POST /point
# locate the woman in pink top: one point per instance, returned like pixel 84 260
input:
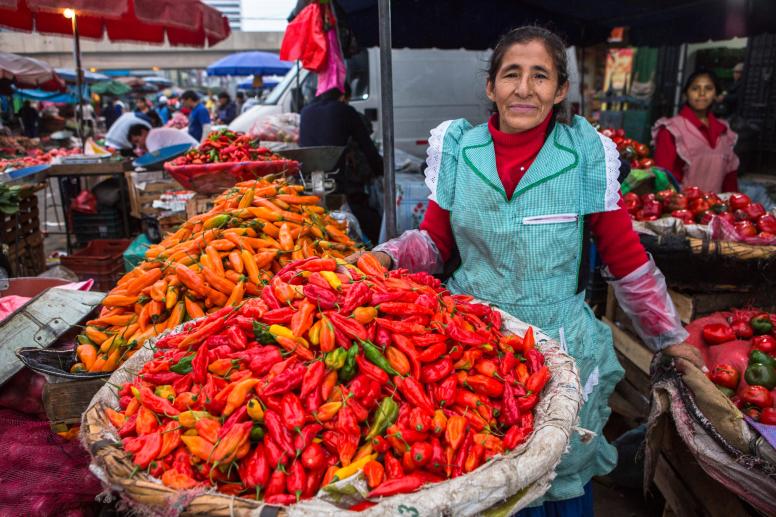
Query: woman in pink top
pixel 694 145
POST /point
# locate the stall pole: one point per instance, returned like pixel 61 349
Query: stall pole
pixel 386 97
pixel 69 13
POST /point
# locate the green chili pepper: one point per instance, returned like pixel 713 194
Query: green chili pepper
pixel 262 334
pixel 336 358
pixel 373 354
pixel 385 416
pixel 348 371
pixel 257 433
pixel 183 366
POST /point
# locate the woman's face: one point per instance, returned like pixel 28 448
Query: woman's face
pixel 701 93
pixel 526 87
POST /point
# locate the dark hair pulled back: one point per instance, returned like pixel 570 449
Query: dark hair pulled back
pixel 555 46
pixel 698 73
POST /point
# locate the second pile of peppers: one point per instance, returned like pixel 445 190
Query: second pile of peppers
pixel 333 370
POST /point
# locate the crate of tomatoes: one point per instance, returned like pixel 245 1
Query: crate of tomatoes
pixel 342 387
pixel 226 157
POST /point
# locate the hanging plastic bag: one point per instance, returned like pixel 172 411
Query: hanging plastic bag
pixel 333 75
pixel 84 203
pixel 305 40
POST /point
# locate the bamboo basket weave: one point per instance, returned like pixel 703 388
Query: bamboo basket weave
pixel 502 486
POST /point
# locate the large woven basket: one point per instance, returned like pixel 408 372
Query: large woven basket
pixel 503 485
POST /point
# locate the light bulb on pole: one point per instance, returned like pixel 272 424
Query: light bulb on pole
pixel 68 13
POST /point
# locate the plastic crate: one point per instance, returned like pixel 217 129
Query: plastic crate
pixel 101 261
pixel 105 224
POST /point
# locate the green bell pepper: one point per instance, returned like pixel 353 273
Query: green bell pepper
pixel 760 357
pixel 761 324
pixel 759 374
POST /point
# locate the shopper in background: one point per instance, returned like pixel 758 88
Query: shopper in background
pixel 163 109
pixel 118 134
pixel 30 119
pixel 517 199
pixel 728 100
pixel 330 120
pixel 227 110
pixel 112 112
pixel 239 100
pixel 147 139
pixel 696 146
pixel 199 117
pixel 145 110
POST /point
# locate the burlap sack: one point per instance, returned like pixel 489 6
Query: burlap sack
pixel 503 485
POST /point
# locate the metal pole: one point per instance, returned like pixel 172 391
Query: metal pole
pixel 78 78
pixel 386 97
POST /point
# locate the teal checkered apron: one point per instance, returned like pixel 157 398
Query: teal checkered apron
pixel 523 254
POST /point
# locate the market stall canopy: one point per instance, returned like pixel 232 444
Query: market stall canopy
pixel 249 63
pixel 160 82
pixel 25 72
pixel 111 88
pixel 68 74
pixel 473 25
pixel 183 22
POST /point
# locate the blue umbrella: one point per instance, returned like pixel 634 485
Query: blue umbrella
pixel 68 74
pixel 249 63
pixel 267 82
pixel 40 95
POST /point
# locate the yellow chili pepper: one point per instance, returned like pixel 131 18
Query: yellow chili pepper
pixel 280 330
pixel 189 418
pixel 255 411
pixel 165 391
pixel 332 278
pixel 346 472
pixel 314 334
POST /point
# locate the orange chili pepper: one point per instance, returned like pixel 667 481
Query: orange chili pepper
pixel 214 260
pixel 235 261
pixel 87 354
pixel 398 360
pixel 192 308
pixel 250 266
pixel 285 238
pixel 237 294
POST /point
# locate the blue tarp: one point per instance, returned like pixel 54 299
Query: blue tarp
pixel 40 95
pixel 68 74
pixel 248 84
pixel 249 63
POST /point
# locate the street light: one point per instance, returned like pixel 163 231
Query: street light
pixel 70 14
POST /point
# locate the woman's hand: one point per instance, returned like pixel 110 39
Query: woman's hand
pixel 383 258
pixel 688 352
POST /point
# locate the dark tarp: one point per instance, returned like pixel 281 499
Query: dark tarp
pixel 478 25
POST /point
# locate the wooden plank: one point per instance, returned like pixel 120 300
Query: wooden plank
pixel 674 491
pixel 64 402
pixel 88 169
pixel 628 346
pixel 683 304
pixel 621 406
pixel 611 304
pixel 639 401
pixel 635 376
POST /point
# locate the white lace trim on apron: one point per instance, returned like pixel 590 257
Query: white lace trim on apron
pixel 434 157
pixel 612 157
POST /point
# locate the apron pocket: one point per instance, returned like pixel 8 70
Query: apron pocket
pixel 551 218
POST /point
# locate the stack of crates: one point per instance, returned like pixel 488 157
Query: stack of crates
pixel 101 260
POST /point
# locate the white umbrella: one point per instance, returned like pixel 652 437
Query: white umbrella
pixel 26 72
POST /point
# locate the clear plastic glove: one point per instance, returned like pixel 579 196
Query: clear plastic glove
pixel 643 296
pixel 413 250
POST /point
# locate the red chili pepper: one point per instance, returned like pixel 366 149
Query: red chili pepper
pixel 155 403
pixel 280 316
pixel 312 378
pixel 511 412
pixel 401 327
pixel 404 309
pixel 433 352
pixel 305 437
pixel 537 380
pixel 404 485
pixel 292 412
pixel 199 365
pixel 160 378
pixel 269 298
pixel 278 432
pixel 254 469
pixel 346 422
pixel 414 393
pixel 372 371
pixel 297 479
pixel 487 386
pixel 534 360
pixel 236 337
pixel 289 379
pixel 262 362
pixel 457 333
pixel 313 457
pixel 444 393
pixel 436 371
pixel 150 445
pixel 322 297
pixel 420 421
pixel 357 295
pixel 393 468
pixel 405 344
pixel 421 452
pixel 319 264
pixel 461 453
pixel 437 461
pixel 277 484
pixel 349 327
pixel 276 456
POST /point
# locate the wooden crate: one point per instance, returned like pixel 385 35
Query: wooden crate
pixel 199 204
pixel 64 402
pixel 20 236
pixel 145 188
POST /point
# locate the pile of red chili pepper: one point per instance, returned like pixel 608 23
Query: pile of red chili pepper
pixel 227 146
pixel 335 369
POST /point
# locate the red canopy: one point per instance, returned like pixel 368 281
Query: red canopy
pixel 186 22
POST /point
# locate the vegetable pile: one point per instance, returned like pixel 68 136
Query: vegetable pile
pixel 750 382
pixel 632 151
pixel 214 260
pixel 694 206
pixel 227 146
pixel 336 369
pixel 34 157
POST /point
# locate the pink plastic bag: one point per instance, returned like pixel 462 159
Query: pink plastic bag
pixel 333 75
pixel 725 231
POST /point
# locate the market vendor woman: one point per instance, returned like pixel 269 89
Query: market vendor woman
pixel 517 198
pixel 696 146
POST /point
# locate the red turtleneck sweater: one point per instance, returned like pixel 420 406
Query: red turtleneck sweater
pixel 617 243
